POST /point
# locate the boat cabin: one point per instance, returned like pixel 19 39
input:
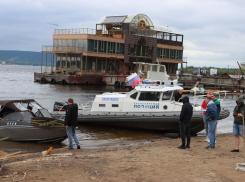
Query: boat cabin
pixel 144 98
pixel 18 110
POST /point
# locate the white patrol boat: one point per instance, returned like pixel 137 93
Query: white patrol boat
pixel 147 106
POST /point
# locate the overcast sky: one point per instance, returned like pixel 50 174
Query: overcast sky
pixel 214 30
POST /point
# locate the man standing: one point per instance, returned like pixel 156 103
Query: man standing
pixel 185 122
pixel 178 96
pixel 238 123
pixel 211 118
pixel 71 123
pixel 217 103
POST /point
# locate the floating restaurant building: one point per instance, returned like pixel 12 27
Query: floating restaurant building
pixel 105 55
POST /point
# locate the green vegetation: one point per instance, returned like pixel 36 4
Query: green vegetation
pixel 23 58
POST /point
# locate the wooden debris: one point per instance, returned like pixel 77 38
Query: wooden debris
pixel 2 139
pixel 46 153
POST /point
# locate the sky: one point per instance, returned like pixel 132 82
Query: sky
pixel 214 30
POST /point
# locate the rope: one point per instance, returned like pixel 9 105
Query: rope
pixel 19 179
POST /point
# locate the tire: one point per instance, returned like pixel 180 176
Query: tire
pixel 117 84
pixel 172 135
pixel 123 85
pixel 43 80
pixel 53 81
pixel 103 83
pixel 64 82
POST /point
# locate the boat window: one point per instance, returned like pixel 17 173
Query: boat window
pixel 149 96
pixel 167 95
pixel 20 106
pixel 134 96
pixel 154 68
pixel 114 105
pixel 101 105
pixel 162 68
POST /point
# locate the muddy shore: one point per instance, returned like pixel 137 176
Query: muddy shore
pixel 158 160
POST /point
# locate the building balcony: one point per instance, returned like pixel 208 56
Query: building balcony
pixel 62 49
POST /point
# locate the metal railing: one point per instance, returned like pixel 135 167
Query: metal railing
pixel 74 31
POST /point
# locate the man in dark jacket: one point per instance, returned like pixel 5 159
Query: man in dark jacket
pixel 178 96
pixel 238 122
pixel 211 118
pixel 71 123
pixel 185 122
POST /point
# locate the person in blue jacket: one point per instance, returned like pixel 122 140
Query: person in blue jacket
pixel 211 118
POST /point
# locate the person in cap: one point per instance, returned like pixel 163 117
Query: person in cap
pixel 211 118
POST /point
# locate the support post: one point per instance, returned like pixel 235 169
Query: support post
pixel 52 63
pixel 41 62
pixel 86 63
pixel 46 62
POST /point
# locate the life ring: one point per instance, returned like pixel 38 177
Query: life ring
pixel 53 81
pixel 64 82
pixel 86 83
pixel 43 80
pixel 117 84
pixel 123 84
pixel 103 83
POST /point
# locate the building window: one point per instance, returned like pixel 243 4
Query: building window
pixel 114 105
pixel 101 105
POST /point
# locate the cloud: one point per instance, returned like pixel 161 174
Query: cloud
pixel 213 29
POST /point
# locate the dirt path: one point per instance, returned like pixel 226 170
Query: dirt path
pixel 159 160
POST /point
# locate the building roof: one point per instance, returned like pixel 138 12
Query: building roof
pixel 114 19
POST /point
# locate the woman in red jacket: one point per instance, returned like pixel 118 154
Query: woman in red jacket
pixel 204 108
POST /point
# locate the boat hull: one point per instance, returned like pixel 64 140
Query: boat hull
pixel 32 134
pixel 162 121
pixel 39 129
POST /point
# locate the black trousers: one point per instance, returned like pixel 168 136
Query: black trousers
pixel 185 131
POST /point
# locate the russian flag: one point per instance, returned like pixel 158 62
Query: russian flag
pixel 134 79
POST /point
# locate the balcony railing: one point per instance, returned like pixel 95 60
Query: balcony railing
pixel 65 49
pixel 74 31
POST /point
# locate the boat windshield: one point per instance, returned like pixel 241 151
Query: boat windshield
pixel 20 106
pixel 43 113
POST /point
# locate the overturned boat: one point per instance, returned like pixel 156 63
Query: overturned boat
pixel 149 107
pixel 17 124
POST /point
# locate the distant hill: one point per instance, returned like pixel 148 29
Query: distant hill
pixel 22 57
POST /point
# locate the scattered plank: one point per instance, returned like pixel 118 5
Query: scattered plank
pixel 2 139
pixel 46 153
pixel 18 155
pixel 3 153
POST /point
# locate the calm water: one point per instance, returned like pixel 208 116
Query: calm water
pixel 17 82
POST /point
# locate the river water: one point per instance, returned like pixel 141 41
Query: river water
pixel 17 82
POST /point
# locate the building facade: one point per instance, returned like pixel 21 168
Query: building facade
pixel 113 47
